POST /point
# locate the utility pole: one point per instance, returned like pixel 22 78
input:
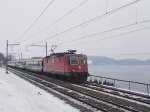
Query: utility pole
pixel 7 45
pixel 21 55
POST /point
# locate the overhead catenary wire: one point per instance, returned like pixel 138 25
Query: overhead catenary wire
pixel 127 33
pixel 90 20
pixel 67 13
pixel 136 12
pixel 107 31
pixel 116 35
pixel 35 20
pixel 106 3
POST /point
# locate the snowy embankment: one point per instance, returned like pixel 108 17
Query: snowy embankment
pixel 18 95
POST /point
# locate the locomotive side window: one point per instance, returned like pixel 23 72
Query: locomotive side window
pixel 68 59
pixel 53 60
pixel 73 59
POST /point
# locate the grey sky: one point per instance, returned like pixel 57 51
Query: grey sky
pixel 17 15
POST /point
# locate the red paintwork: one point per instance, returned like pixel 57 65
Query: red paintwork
pixel 61 66
pixel 53 67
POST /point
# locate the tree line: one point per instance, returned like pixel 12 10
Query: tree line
pixel 3 58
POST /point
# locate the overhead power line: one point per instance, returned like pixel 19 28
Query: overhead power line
pixel 36 19
pixel 115 36
pixel 107 31
pixel 68 13
pixel 126 33
pixel 91 20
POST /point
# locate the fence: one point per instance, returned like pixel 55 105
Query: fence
pixel 131 85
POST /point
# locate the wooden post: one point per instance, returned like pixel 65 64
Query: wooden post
pixel 129 85
pixel 147 89
pixel 114 83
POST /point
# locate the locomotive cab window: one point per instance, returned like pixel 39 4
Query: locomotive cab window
pixel 83 59
pixel 73 59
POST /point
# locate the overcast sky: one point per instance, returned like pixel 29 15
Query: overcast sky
pixel 17 15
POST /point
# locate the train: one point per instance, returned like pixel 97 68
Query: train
pixel 69 65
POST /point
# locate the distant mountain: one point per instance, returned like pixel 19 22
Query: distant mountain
pixel 102 60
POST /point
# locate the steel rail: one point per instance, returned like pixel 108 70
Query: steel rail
pixel 97 105
pixel 127 105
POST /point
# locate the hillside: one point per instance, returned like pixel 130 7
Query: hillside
pixel 102 60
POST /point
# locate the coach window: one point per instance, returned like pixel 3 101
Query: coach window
pixel 73 59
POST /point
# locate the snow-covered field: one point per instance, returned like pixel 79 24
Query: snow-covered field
pixel 18 95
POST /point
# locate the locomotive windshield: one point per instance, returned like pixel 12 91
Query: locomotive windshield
pixel 73 59
pixel 83 59
pixel 77 59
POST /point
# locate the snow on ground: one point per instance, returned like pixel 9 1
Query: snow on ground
pixel 18 95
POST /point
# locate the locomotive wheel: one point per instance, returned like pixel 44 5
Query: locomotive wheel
pixel 77 78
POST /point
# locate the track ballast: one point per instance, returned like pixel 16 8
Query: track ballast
pixel 90 100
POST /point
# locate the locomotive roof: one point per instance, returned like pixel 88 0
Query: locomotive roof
pixel 62 54
pixel 58 54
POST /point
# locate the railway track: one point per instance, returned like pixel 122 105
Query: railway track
pixel 118 90
pixel 140 98
pixel 88 96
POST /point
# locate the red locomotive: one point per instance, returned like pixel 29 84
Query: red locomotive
pixel 68 64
